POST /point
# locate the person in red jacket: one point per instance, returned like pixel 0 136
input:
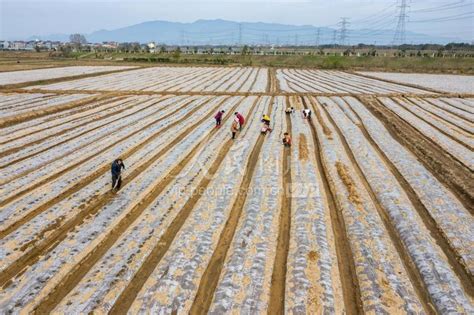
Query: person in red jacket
pixel 241 119
pixel 218 118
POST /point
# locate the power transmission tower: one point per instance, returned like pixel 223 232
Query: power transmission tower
pixel 334 36
pixel 318 33
pixel 296 39
pixel 343 30
pixel 400 32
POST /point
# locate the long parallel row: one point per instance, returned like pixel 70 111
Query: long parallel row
pixel 144 235
pixel 81 241
pixel 37 203
pixel 346 220
pixel 385 286
pixel 43 103
pixel 174 282
pixel 173 79
pixel 53 73
pixel 459 151
pixel 409 226
pixel 313 279
pixel 334 82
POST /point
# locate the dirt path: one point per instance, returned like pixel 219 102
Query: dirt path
pixel 278 284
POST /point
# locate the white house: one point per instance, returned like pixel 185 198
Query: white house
pixel 151 47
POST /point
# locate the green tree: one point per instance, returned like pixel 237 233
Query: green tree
pixel 177 53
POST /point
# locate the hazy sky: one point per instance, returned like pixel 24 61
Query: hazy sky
pixel 21 19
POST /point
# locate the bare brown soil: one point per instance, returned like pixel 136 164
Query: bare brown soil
pixel 303 148
pixel 278 283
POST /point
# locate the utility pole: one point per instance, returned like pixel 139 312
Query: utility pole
pixel 343 30
pixel 400 32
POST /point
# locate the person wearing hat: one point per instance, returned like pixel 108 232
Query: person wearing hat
pixel 266 120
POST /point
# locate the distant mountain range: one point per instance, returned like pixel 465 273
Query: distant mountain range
pixel 222 32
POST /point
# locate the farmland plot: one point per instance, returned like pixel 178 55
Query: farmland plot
pixel 336 82
pixel 440 82
pixel 369 210
pixel 53 73
pixel 173 79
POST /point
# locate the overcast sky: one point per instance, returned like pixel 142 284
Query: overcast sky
pixel 22 19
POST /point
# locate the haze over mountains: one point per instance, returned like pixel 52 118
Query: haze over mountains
pixel 222 32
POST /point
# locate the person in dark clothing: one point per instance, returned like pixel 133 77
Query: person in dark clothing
pixel 117 167
pixel 287 139
pixel 218 118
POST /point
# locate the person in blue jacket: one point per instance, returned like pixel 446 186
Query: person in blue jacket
pixel 117 167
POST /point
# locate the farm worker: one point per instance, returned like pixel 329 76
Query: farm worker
pixel 307 113
pixel 286 140
pixel 234 128
pixel 117 167
pixel 218 118
pixel 290 110
pixel 241 119
pixel 266 120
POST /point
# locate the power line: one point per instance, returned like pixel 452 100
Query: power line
pixel 446 18
pixel 445 7
pixel 375 15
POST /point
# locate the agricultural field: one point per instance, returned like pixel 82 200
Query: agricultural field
pixel 174 79
pixel 441 82
pixel 53 73
pixel 337 82
pixel 369 211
